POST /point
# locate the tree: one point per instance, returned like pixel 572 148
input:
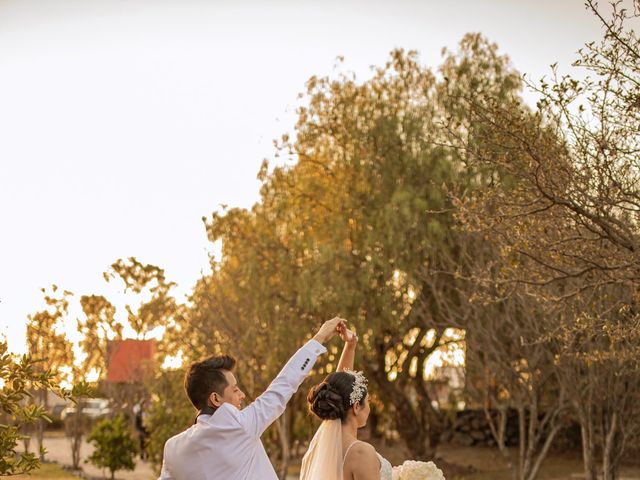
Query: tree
pixel 98 326
pixel 508 367
pixel 598 361
pixel 114 445
pixel 347 225
pixel 147 279
pixel 150 305
pixel 253 291
pixel 563 208
pixel 150 308
pixel 49 346
pixel 520 375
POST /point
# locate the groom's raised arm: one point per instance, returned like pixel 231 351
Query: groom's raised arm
pixel 272 403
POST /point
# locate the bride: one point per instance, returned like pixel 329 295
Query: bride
pixel 341 402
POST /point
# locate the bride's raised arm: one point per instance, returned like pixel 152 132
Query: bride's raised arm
pixel 349 351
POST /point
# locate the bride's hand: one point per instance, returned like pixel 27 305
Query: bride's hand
pixel 348 336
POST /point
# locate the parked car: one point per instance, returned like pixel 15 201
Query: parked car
pixel 92 408
pixel 56 411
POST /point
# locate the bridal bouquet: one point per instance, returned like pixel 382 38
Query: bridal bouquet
pixel 412 470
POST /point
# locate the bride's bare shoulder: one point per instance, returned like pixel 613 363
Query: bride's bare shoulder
pixel 363 448
pixel 362 461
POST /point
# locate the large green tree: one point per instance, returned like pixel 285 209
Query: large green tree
pixel 354 213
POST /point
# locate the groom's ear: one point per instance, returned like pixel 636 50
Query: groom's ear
pixel 215 399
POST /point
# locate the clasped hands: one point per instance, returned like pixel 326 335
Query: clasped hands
pixel 336 326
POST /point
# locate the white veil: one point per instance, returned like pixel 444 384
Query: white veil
pixel 323 460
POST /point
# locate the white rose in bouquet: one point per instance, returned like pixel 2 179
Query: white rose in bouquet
pixel 413 470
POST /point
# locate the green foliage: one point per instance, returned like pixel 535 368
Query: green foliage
pixel 43 337
pixel 347 224
pixel 18 377
pixel 98 325
pixel 45 341
pixel 170 412
pixel 138 279
pixel 114 445
pixel 144 285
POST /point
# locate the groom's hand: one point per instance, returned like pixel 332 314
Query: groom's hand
pixel 329 329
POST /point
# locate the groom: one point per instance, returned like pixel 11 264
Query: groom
pixel 224 442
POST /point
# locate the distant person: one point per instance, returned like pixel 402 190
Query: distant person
pixel 140 413
pixel 224 442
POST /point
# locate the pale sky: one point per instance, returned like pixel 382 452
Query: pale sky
pixel 122 123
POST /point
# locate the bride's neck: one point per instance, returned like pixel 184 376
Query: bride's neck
pixel 350 428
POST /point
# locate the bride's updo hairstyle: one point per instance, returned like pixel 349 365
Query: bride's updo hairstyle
pixel 331 399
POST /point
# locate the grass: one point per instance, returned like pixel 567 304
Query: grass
pixel 47 471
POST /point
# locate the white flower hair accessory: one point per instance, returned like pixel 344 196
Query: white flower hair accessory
pixel 359 387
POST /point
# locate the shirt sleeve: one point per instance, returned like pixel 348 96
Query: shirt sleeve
pixel 271 404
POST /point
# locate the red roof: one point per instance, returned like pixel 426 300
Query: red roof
pixel 129 360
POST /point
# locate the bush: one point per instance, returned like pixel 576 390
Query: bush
pixel 18 411
pixel 114 444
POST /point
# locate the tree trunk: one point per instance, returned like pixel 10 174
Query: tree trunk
pixel 420 430
pixel 609 431
pixel 76 444
pixel 409 428
pixel 588 447
pixel 40 438
pixel 531 432
pixel 522 427
pixel 498 430
pixel 543 454
pixel 433 422
pixel 76 431
pixel 40 425
pixel 373 424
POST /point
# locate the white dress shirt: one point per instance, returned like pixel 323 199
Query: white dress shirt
pixel 226 445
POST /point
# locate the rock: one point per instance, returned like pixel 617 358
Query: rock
pixel 462 440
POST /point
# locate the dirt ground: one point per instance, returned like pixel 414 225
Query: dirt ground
pixel 59 451
pixel 457 463
pixel 484 463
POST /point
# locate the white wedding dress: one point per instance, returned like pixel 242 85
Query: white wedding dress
pixel 324 459
pixel 386 470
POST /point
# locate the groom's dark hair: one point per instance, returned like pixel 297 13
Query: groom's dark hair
pixel 205 377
